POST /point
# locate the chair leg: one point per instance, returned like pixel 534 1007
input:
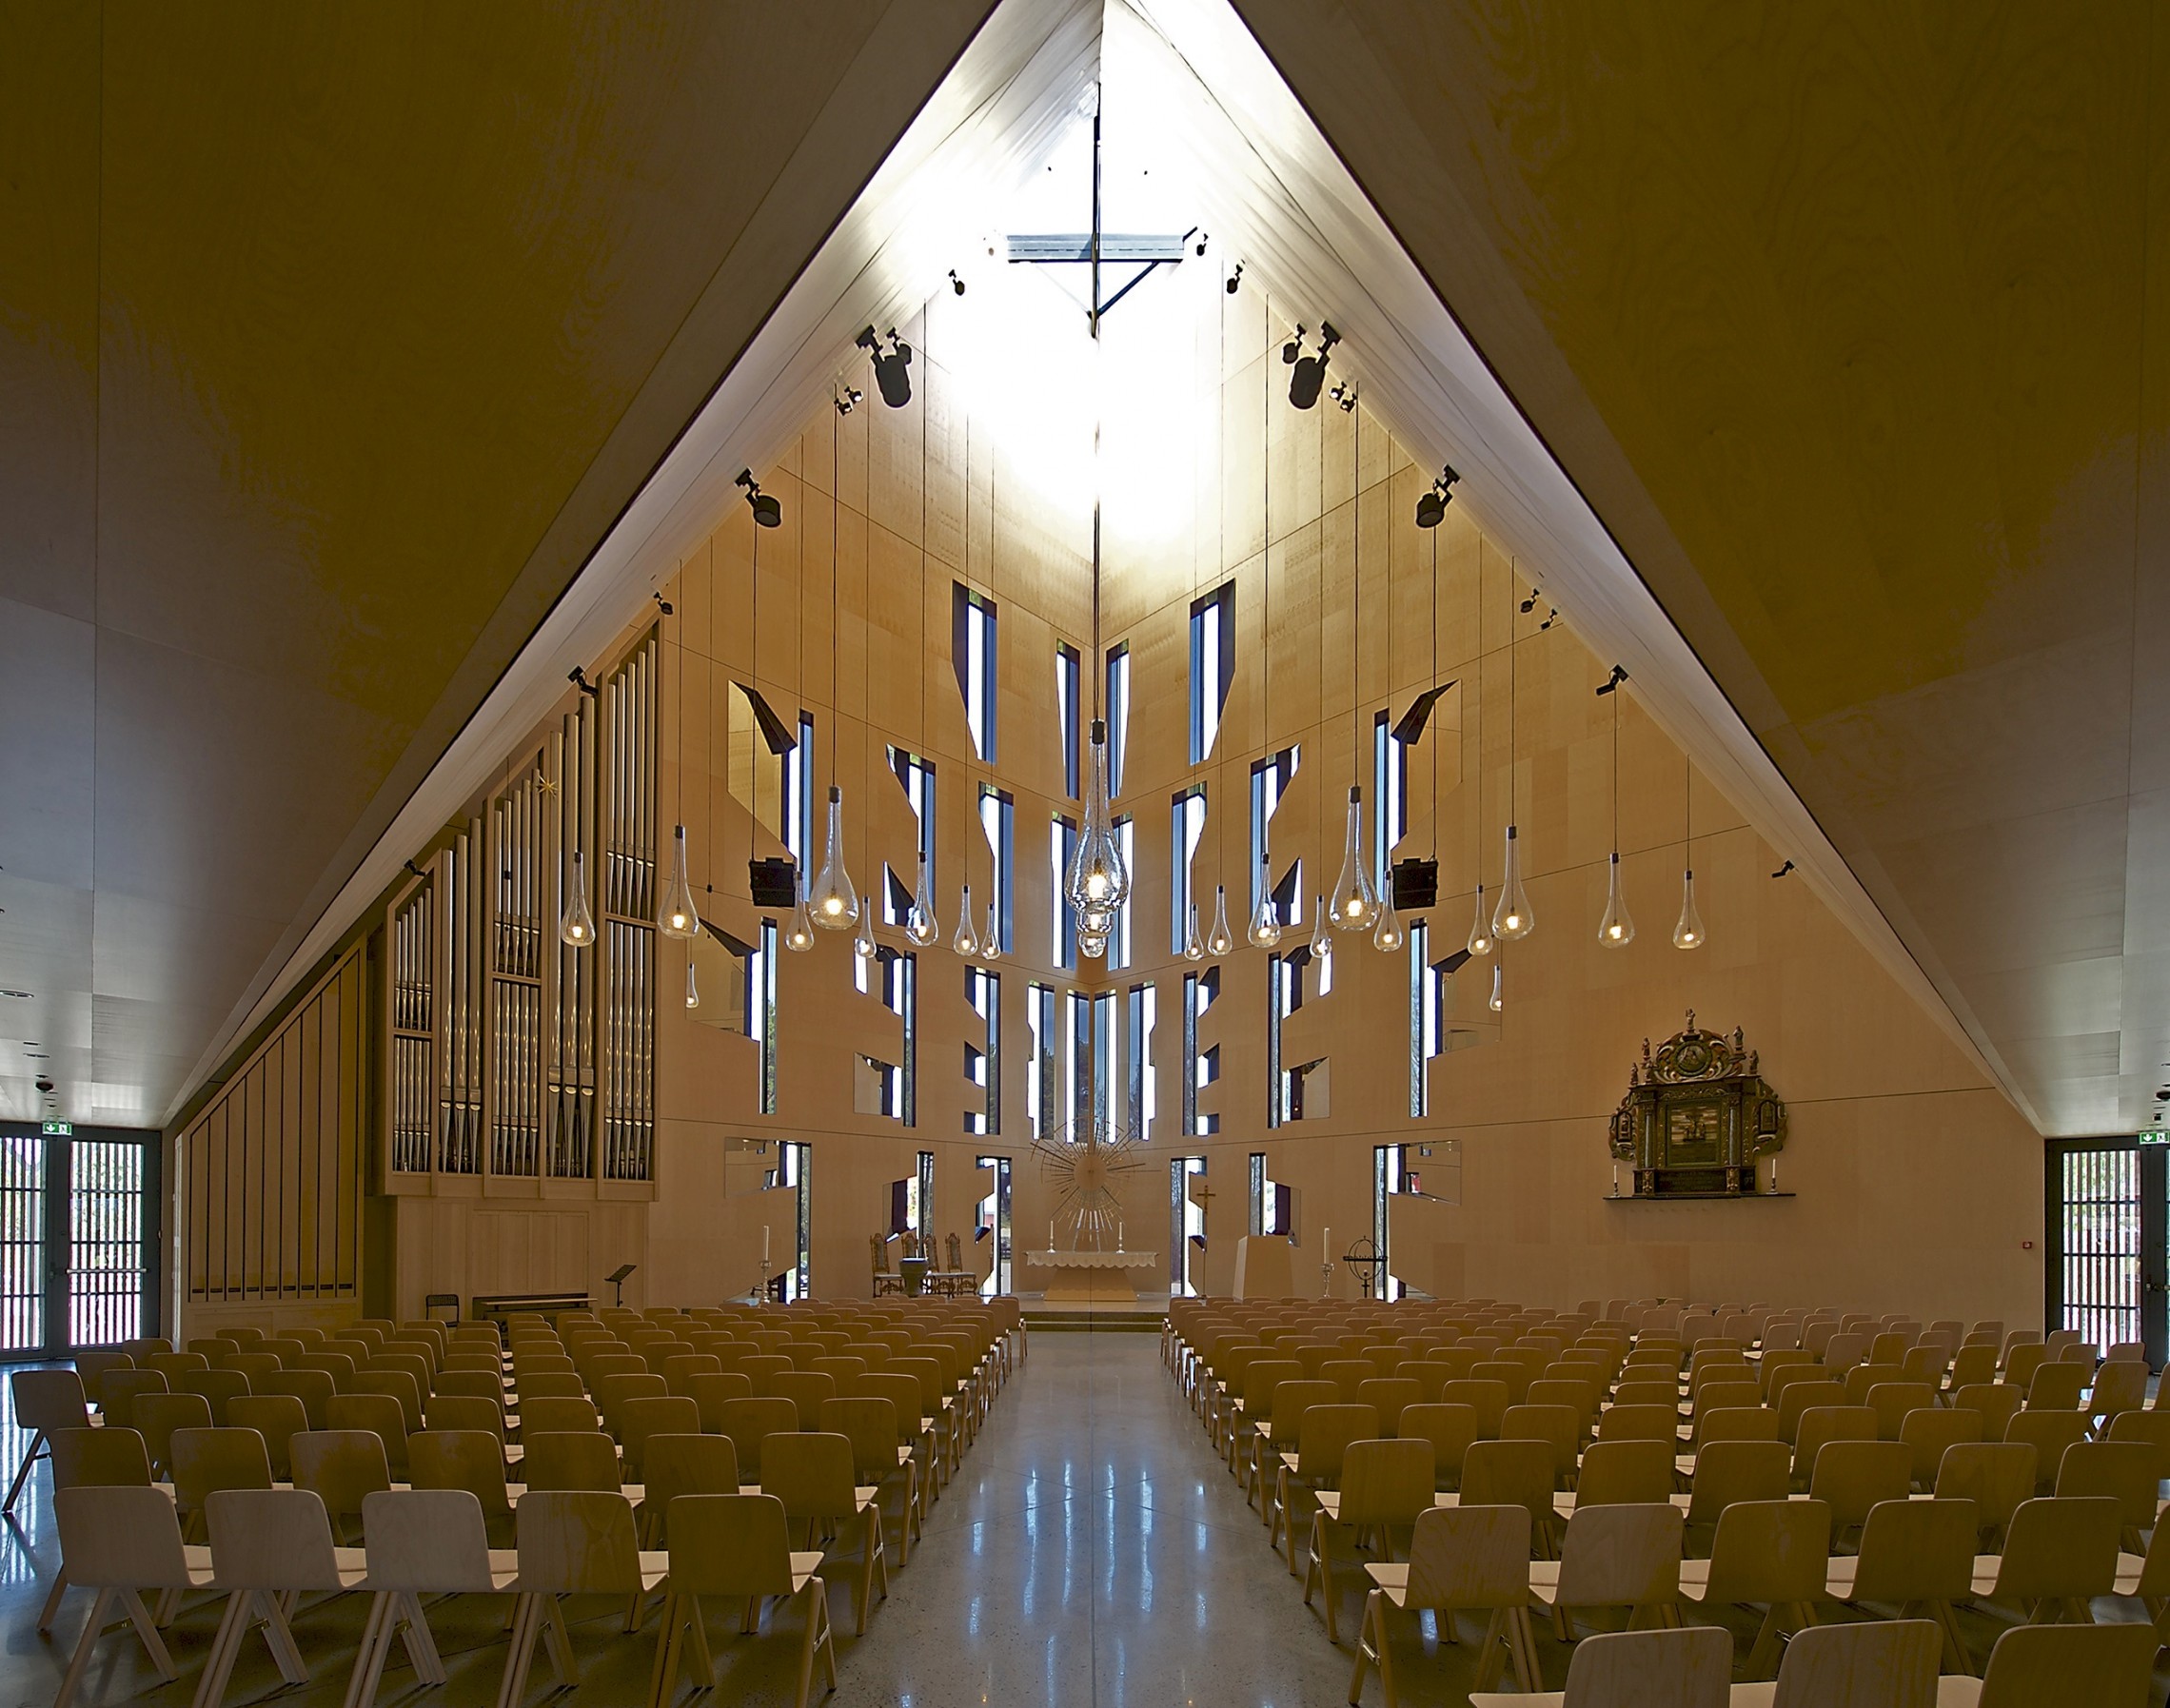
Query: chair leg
pixel 662 1678
pixel 278 1639
pixel 155 1645
pixel 369 1658
pixel 1522 1638
pixel 513 1685
pixel 50 1611
pixel 23 1471
pixel 420 1640
pixel 218 1664
pixel 877 1563
pixel 88 1642
pixel 1498 1632
pixel 558 1640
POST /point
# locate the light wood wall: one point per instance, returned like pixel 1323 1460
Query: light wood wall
pixel 272 1171
pixel 1919 1186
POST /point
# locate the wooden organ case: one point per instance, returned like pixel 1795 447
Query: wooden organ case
pixel 1697 1117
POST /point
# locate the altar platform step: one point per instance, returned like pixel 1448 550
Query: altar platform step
pixel 1143 1315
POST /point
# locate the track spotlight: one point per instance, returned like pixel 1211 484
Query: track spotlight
pixel 1345 394
pixel 1612 683
pixel 888 366
pixel 1202 236
pixel 848 399
pixel 578 676
pixel 1432 504
pixel 767 512
pixel 1309 376
pixel 1235 279
pixel 1783 870
pixel 1551 616
pixel 955 283
pixel 1530 604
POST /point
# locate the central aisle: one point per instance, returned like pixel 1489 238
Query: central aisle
pixel 1094 1552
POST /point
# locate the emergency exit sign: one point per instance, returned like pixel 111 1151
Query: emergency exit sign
pixel 2159 1135
pixel 60 1130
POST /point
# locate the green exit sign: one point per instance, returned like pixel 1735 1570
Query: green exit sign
pixel 60 1130
pixel 2158 1136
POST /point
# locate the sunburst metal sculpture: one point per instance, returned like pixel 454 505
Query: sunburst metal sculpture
pixel 1084 1163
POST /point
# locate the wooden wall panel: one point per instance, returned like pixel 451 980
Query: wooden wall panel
pixel 271 1169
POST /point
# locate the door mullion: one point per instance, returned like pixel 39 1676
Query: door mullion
pixel 2154 1266
pixel 59 1173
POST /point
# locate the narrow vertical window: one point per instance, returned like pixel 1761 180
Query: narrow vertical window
pixel 1269 779
pixel 1043 1078
pixel 1187 821
pixel 799 792
pixel 974 653
pixel 1118 713
pixel 1063 849
pixel 916 777
pixel 1119 939
pixel 1067 680
pixel 1140 1087
pixel 999 818
pixel 1422 1011
pixel 761 1008
pixel 983 1060
pixel 1212 666
pixel 1390 795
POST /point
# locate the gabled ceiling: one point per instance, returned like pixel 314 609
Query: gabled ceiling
pixel 332 342
pixel 1848 323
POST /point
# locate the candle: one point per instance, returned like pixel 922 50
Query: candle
pixel 1325 1244
pixel 1118 1236
pixel 764 1246
pixel 1051 1233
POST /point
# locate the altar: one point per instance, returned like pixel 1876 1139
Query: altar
pixel 1092 1277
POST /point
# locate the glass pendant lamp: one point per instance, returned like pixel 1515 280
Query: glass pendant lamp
pixel 1390 935
pixel 576 924
pixel 798 935
pixel 1495 1004
pixel 966 943
pixel 1355 903
pixel 1688 933
pixel 991 940
pixel 1480 929
pixel 1218 940
pixel 833 902
pixel 1194 945
pixel 692 988
pixel 921 925
pixel 678 917
pixel 1322 939
pixel 1616 930
pixel 1097 880
pixel 862 937
pixel 1264 922
pixel 1091 945
pixel 1511 918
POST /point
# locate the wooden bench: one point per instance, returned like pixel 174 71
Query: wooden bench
pixel 497 1306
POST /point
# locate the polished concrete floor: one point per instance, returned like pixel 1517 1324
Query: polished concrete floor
pixel 1092 1552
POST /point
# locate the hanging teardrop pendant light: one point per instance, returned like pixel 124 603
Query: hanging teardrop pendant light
pixel 1616 930
pixel 862 937
pixel 1390 935
pixel 1480 929
pixel 798 935
pixel 678 917
pixel 991 940
pixel 1097 882
pixel 1322 939
pixel 834 903
pixel 1265 920
pixel 1511 918
pixel 1091 945
pixel 1687 931
pixel 1355 902
pixel 921 925
pixel 966 942
pixel 1194 945
pixel 692 988
pixel 1495 1004
pixel 576 924
pixel 1220 941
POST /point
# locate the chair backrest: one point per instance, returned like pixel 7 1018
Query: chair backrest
pixel 107 1458
pixel 577 1542
pixel 1386 1482
pixel 749 1422
pixel 1892 1400
pixel 117 1536
pixel 1470 1557
pixel 49 1399
pixel 869 1423
pixel 1726 1472
pixel 554 1414
pixel 91 1367
pixel 1854 1476
pixel 730 1544
pixel 1933 1430
pixel 2063 1547
pixel 159 1415
pixel 341 1466
pixel 277 1418
pixel 678 1465
pixel 1917 1551
pixel 1449 1428
pixel 1323 1437
pixel 382 1415
pixel 564 1461
pixel 2150 1427
pixel 1690 1668
pixel 1821 1425
pixel 1622 1555
pixel 1998 1402
pixel 2056 1386
pixel 811 1472
pixel 470 1459
pixel 1617 1473
pixel 208 1460
pixel 2120 1385
pixel 1504 1473
pixel 1876 1664
pixel 1388 1396
pixel 1638 1422
pixel 2126 1471
pixel 432 1540
pixel 271 1539
pixel 1996 1476
pixel 1558 1426
pixel 2070 1667
pixel 122 1390
pixel 2053 1434
pixel 1487 1398
pixel 1770 1550
pixel 656 1414
pixel 806 1389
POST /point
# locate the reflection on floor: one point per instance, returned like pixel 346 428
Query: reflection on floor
pixel 1092 1552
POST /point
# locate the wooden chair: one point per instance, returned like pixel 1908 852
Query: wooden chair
pixel 1770 1553
pixel 45 1401
pixel 737 1546
pixel 119 1542
pixel 570 1543
pixel 811 1473
pixel 2061 1666
pixel 268 1544
pixel 1624 1555
pixel 1914 1553
pixel 1889 1664
pixel 342 1468
pixel 421 1541
pixel 1461 1559
pixel 1384 1485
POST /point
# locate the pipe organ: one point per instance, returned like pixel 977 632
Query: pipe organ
pixel 514 1056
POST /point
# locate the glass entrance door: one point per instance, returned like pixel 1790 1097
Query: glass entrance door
pixel 78 1238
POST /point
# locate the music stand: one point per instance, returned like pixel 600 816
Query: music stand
pixel 616 1279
